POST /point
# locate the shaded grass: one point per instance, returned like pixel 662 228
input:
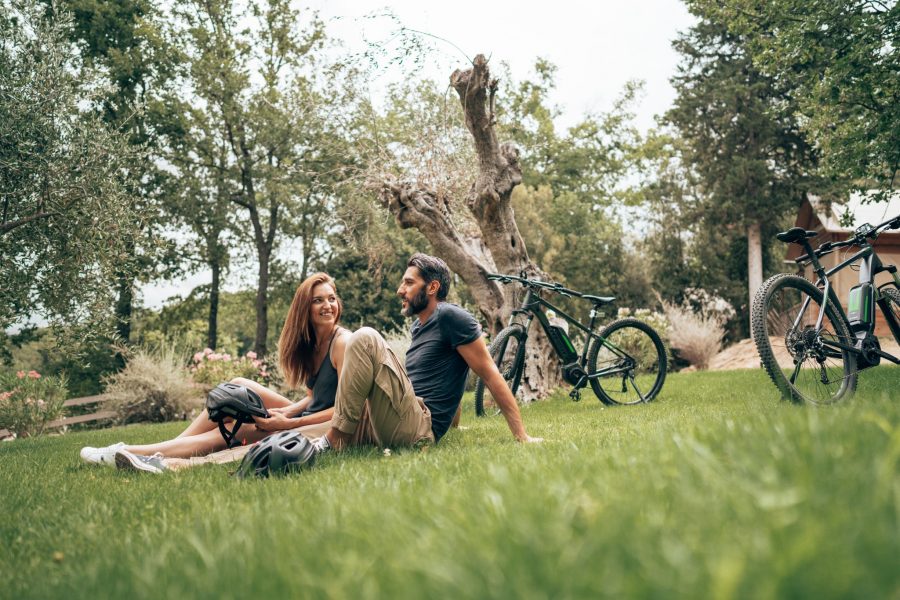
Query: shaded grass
pixel 716 490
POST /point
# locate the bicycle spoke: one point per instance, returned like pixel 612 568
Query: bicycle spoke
pixel 636 389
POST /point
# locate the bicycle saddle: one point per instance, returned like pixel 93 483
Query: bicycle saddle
pixel 795 234
pixel 599 299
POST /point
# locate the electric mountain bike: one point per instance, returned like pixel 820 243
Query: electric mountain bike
pixel 625 363
pixel 811 348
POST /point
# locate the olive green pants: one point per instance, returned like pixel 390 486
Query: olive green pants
pixel 375 393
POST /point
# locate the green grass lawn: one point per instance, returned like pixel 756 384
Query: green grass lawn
pixel 716 490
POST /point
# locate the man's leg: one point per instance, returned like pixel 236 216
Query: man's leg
pixel 373 376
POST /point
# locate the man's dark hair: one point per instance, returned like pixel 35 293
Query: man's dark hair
pixel 431 268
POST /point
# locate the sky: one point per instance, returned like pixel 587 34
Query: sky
pixel 596 46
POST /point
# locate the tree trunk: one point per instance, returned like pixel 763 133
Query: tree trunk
pixel 212 331
pixel 262 303
pixel 124 303
pixel 500 247
pixel 754 259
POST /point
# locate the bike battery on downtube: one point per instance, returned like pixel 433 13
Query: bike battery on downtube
pixel 560 340
pixel 860 305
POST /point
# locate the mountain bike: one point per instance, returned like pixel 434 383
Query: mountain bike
pixel 811 348
pixel 625 362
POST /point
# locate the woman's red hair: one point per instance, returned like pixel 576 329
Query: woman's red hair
pixel 297 344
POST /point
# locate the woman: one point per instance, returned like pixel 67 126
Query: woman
pixel 310 350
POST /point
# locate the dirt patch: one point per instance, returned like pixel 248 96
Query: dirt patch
pixel 743 355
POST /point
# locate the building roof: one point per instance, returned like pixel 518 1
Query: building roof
pixel 871 212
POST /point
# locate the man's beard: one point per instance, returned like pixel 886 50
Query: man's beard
pixel 416 304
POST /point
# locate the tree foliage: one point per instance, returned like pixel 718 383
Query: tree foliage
pixel 66 217
pixel 841 59
pixel 742 141
pixel 256 128
pixel 127 42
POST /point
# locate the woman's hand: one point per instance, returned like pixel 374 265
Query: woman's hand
pixel 276 422
pixel 291 410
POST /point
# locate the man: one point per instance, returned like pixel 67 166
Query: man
pixel 381 402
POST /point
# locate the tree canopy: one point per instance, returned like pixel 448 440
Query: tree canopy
pixel 841 61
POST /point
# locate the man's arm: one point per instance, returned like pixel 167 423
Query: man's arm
pixel 476 356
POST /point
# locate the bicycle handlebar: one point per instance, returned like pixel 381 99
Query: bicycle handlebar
pixel 535 283
pixel 857 239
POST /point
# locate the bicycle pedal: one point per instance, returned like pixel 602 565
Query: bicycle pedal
pixel 575 395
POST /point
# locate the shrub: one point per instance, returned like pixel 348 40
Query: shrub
pixel 152 387
pixel 654 319
pixel 399 341
pixel 212 368
pixel 697 334
pixel 29 401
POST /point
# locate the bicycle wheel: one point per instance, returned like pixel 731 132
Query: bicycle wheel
pixel 804 363
pixel 631 362
pixel 508 352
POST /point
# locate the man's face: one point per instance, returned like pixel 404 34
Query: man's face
pixel 413 293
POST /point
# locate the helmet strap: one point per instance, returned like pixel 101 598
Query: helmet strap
pixel 229 436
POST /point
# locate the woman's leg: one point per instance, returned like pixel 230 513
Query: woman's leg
pixel 198 445
pixel 220 457
pixel 270 399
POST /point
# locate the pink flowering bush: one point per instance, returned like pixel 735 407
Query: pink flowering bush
pixel 28 401
pixel 212 368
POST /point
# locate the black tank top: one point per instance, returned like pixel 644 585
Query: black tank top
pixel 324 383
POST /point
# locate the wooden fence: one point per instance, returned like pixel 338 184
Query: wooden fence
pixel 97 415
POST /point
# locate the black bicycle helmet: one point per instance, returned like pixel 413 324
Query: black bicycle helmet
pixel 279 454
pixel 232 401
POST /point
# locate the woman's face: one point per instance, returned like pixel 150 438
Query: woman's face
pixel 324 307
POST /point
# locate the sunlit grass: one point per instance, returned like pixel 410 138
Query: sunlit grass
pixel 717 490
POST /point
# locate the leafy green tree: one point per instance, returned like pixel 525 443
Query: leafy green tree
pixel 126 41
pixel 66 217
pixel 571 202
pixel 200 205
pixel 252 77
pixel 742 137
pixel 588 159
pixel 841 59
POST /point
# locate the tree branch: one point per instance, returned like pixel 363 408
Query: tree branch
pixel 7 227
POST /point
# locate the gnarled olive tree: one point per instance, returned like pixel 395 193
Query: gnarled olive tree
pixel 494 244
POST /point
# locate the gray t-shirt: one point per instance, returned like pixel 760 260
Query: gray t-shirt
pixel 436 370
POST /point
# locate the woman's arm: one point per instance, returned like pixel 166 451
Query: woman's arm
pixel 337 351
pixel 297 408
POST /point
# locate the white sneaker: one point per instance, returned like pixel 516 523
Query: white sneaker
pixel 101 456
pixel 321 445
pixel 136 462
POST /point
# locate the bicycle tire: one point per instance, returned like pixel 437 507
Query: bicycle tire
pixel 510 340
pixel 641 344
pixel 893 301
pixel 781 330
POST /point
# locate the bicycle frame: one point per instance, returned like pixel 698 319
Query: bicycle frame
pixel 532 306
pixel 870 265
